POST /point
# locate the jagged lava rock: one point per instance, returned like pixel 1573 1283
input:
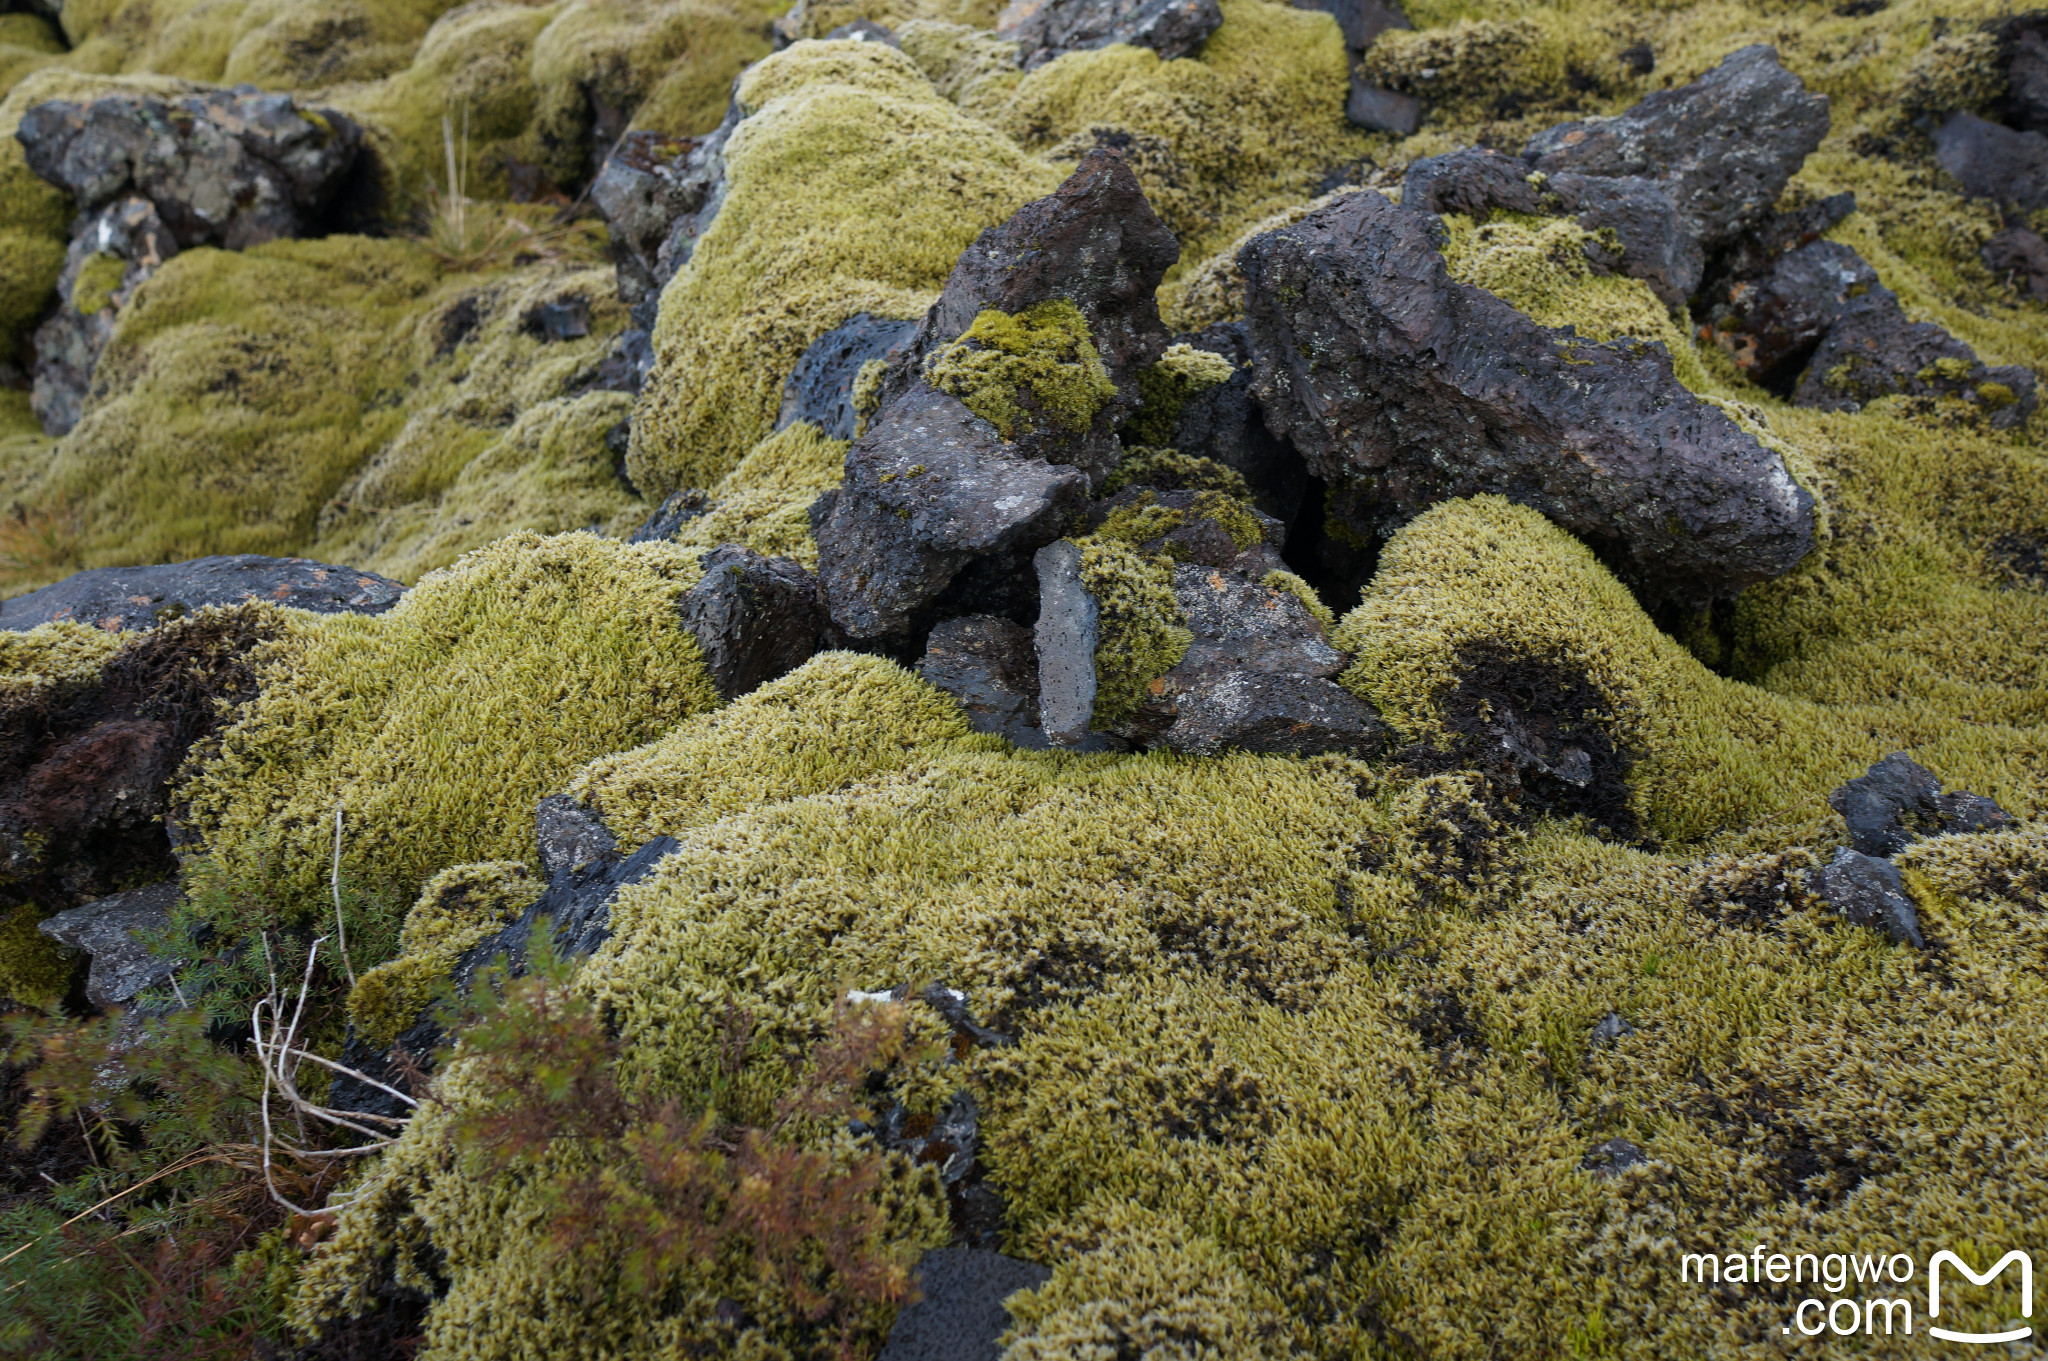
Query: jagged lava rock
pixel 1771 325
pixel 1871 351
pixel 931 487
pixel 2023 52
pixel 959 1315
pixel 1044 29
pixel 1898 801
pixel 754 618
pixel 1993 161
pixel 1404 388
pixel 119 598
pixel 1724 147
pixel 821 386
pixel 1223 423
pixel 2020 257
pixel 114 932
pixel 68 344
pixel 989 665
pixel 1868 891
pixel 230 168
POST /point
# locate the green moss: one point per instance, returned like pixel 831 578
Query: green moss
pixel 1143 520
pixel 1305 593
pixel 441 723
pixel 458 908
pixel 1166 386
pixel 765 503
pixel 30 32
pixel 1045 350
pixel 852 187
pixel 867 393
pixel 98 279
pixel 965 63
pixel 1171 470
pixel 816 18
pixel 35 971
pixel 1142 632
pixel 52 656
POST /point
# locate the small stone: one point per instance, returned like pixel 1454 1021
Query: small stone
pixel 1044 29
pixel 658 194
pixel 820 388
pixel 1638 60
pixel 754 618
pixel 2020 258
pixel 1868 891
pixel 675 511
pixel 1898 801
pixel 960 1313
pixel 1258 711
pixel 989 665
pixel 570 836
pixel 112 931
pixel 119 598
pixel 1994 162
pixel 1378 110
pixel 1612 1158
pixel 1360 21
pixel 563 319
pixel 1608 1029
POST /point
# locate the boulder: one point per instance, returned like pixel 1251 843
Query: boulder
pixel 1871 351
pixel 113 250
pixel 1898 801
pixel 1402 387
pixel 2020 258
pixel 959 1314
pixel 821 388
pixel 1044 29
pixel 1379 110
pixel 115 932
pixel 939 498
pixel 1724 147
pixel 989 665
pixel 1756 250
pixel 1994 162
pixel 1868 891
pixel 1771 324
pixel 1223 424
pixel 122 598
pixel 754 618
pixel 658 194
pixel 229 168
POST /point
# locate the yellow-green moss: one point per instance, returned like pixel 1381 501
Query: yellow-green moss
pixel 458 908
pixel 1143 519
pixel 816 18
pixel 35 971
pixel 1142 466
pixel 765 503
pixel 1142 633
pixel 963 62
pixel 867 393
pixel 1209 291
pixel 98 278
pixel 1305 593
pixel 1166 386
pixel 1045 348
pixel 30 32
pixel 53 655
pixel 852 187
pixel 440 724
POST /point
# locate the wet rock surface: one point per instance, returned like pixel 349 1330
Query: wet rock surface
pixel 1044 29
pixel 754 617
pixel 960 1315
pixel 821 387
pixel 116 932
pixel 121 598
pixel 1869 892
pixel 1402 388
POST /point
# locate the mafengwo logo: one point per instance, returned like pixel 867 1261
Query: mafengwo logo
pixel 1854 1282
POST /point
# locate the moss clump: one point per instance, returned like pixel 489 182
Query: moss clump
pixel 1142 520
pixel 1171 470
pixel 437 726
pixel 966 64
pixel 1166 386
pixel 98 280
pixel 1045 351
pixel 1305 593
pixel 765 503
pixel 814 228
pixel 52 656
pixel 35 971
pixel 1143 634
pixel 816 18
pixel 458 908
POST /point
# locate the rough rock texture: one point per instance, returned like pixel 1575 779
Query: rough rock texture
pixel 1611 1159
pixel 1361 21
pixel 1994 162
pixel 1872 351
pixel 122 598
pixel 754 617
pixel 1065 638
pixel 1403 388
pixel 988 663
pixel 676 510
pixel 821 386
pixel 2020 257
pixel 1044 29
pixel 1870 892
pixel 1898 801
pixel 931 488
pixel 1378 110
pixel 126 236
pixel 113 932
pixel 1224 423
pixel 658 194
pixel 1771 325
pixel 224 168
pixel 1756 250
pixel 2023 52
pixel 1724 147
pixel 960 1315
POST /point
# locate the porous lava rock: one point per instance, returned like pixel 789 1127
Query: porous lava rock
pixel 1724 147
pixel 959 1314
pixel 989 665
pixel 1772 323
pixel 1402 388
pixel 1994 162
pixel 2023 54
pixel 821 387
pixel 658 194
pixel 1898 801
pixel 1871 351
pixel 1044 29
pixel 119 599
pixel 754 617
pixel 1869 892
pixel 127 236
pixel 932 488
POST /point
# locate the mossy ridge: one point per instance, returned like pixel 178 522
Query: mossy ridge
pixel 457 909
pixel 764 503
pixel 1363 1089
pixel 438 725
pixel 817 18
pixel 1169 469
pixel 813 230
pixel 1713 755
pixel 961 60
pixel 1013 371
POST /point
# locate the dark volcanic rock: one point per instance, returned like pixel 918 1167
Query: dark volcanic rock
pixel 1378 110
pixel 668 519
pixel 114 931
pixel 1361 21
pixel 820 388
pixel 1475 182
pixel 935 499
pixel 658 194
pixel 1756 251
pixel 1724 147
pixel 1898 801
pixel 960 1314
pixel 1609 1029
pixel 988 664
pixel 1261 712
pixel 866 31
pixel 1869 892
pixel 2023 52
pixel 1403 388
pixel 2020 257
pixel 1065 637
pixel 68 344
pixel 1224 423
pixel 755 618
pixel 1992 161
pixel 1043 29
pixel 1873 351
pixel 226 168
pixel 1612 1158
pixel 117 598
pixel 1771 325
